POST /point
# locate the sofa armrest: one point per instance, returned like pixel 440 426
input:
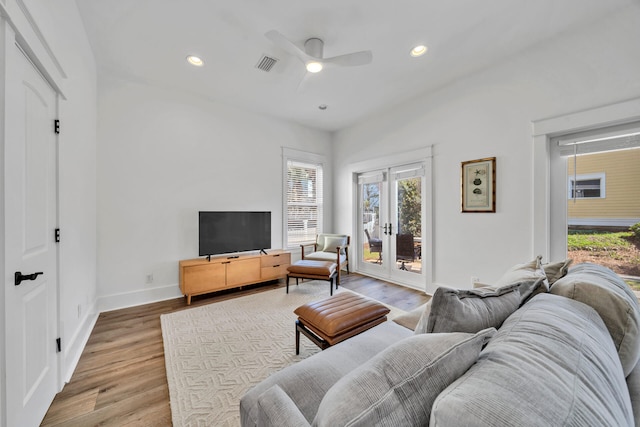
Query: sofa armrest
pixel 275 408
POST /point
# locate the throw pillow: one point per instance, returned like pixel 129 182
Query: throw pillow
pixel 556 270
pixel 471 310
pixel 421 327
pixel 399 385
pixel 331 243
pixel 411 318
pixel 528 272
pixel 602 289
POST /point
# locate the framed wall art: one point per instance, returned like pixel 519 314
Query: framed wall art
pixel 478 179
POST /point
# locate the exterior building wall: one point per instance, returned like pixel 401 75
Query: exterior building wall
pixel 620 205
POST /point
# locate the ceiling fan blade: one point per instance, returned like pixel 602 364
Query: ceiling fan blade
pixel 285 44
pixel 304 82
pixel 351 59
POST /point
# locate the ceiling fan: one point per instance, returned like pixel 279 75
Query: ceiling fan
pixel 312 57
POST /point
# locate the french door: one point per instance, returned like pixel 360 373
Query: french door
pixel 392 209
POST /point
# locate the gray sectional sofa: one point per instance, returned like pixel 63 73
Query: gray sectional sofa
pixel 546 345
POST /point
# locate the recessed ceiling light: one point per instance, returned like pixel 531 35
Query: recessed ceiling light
pixel 418 51
pixel 314 67
pixel 195 60
pixel 322 106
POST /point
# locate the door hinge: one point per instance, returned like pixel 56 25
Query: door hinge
pixel 57 235
pixel 56 126
pixel 58 345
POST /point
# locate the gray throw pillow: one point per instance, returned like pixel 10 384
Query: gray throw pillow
pixel 471 310
pixel 398 386
pixel 529 272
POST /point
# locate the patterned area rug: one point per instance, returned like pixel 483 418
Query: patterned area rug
pixel 215 353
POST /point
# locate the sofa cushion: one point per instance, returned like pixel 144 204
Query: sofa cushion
pixel 307 381
pixel 530 273
pixel 551 363
pixel 611 297
pixel 398 386
pixel 471 310
pixel 556 270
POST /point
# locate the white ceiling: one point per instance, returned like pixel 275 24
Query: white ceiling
pixel 148 40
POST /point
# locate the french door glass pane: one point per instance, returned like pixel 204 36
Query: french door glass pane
pixel 409 224
pixel 372 244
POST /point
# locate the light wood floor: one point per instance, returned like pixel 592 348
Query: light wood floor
pixel 120 379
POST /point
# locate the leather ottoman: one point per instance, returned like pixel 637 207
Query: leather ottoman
pixel 334 319
pixel 317 270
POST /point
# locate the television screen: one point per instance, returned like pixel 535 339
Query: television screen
pixel 227 232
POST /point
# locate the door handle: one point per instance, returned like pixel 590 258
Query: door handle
pixel 19 277
pixel 390 233
pixel 385 229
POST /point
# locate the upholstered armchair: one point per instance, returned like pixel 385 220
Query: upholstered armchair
pixel 329 247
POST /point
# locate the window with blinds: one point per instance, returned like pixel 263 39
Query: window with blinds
pixel 590 186
pixel 304 202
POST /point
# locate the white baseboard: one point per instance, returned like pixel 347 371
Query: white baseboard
pixel 75 346
pixel 138 297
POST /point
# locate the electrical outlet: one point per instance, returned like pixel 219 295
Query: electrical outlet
pixel 149 278
pixel 474 280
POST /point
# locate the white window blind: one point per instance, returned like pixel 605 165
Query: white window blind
pixel 304 202
pixel 618 137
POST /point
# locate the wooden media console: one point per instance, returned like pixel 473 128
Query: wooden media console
pixel 200 276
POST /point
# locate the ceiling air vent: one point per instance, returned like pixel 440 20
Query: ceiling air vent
pixel 266 63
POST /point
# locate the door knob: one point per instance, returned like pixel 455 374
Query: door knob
pixel 19 277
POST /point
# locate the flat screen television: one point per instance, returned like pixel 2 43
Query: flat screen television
pixel 223 232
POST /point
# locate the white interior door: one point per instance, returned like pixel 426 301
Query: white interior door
pixel 31 218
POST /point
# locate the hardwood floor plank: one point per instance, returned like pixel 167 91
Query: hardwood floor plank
pixel 121 380
pixel 76 405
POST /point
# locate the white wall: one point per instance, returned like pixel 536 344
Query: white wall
pixel 489 114
pixel 162 157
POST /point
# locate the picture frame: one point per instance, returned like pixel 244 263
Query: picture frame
pixel 478 185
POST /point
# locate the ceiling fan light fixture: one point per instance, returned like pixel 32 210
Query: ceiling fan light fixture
pixel 418 51
pixel 314 66
pixel 195 60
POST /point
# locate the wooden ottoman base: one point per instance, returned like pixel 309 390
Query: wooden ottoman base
pixel 315 270
pixel 334 319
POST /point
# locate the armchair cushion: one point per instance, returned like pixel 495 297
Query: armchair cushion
pixel 325 256
pixel 331 244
